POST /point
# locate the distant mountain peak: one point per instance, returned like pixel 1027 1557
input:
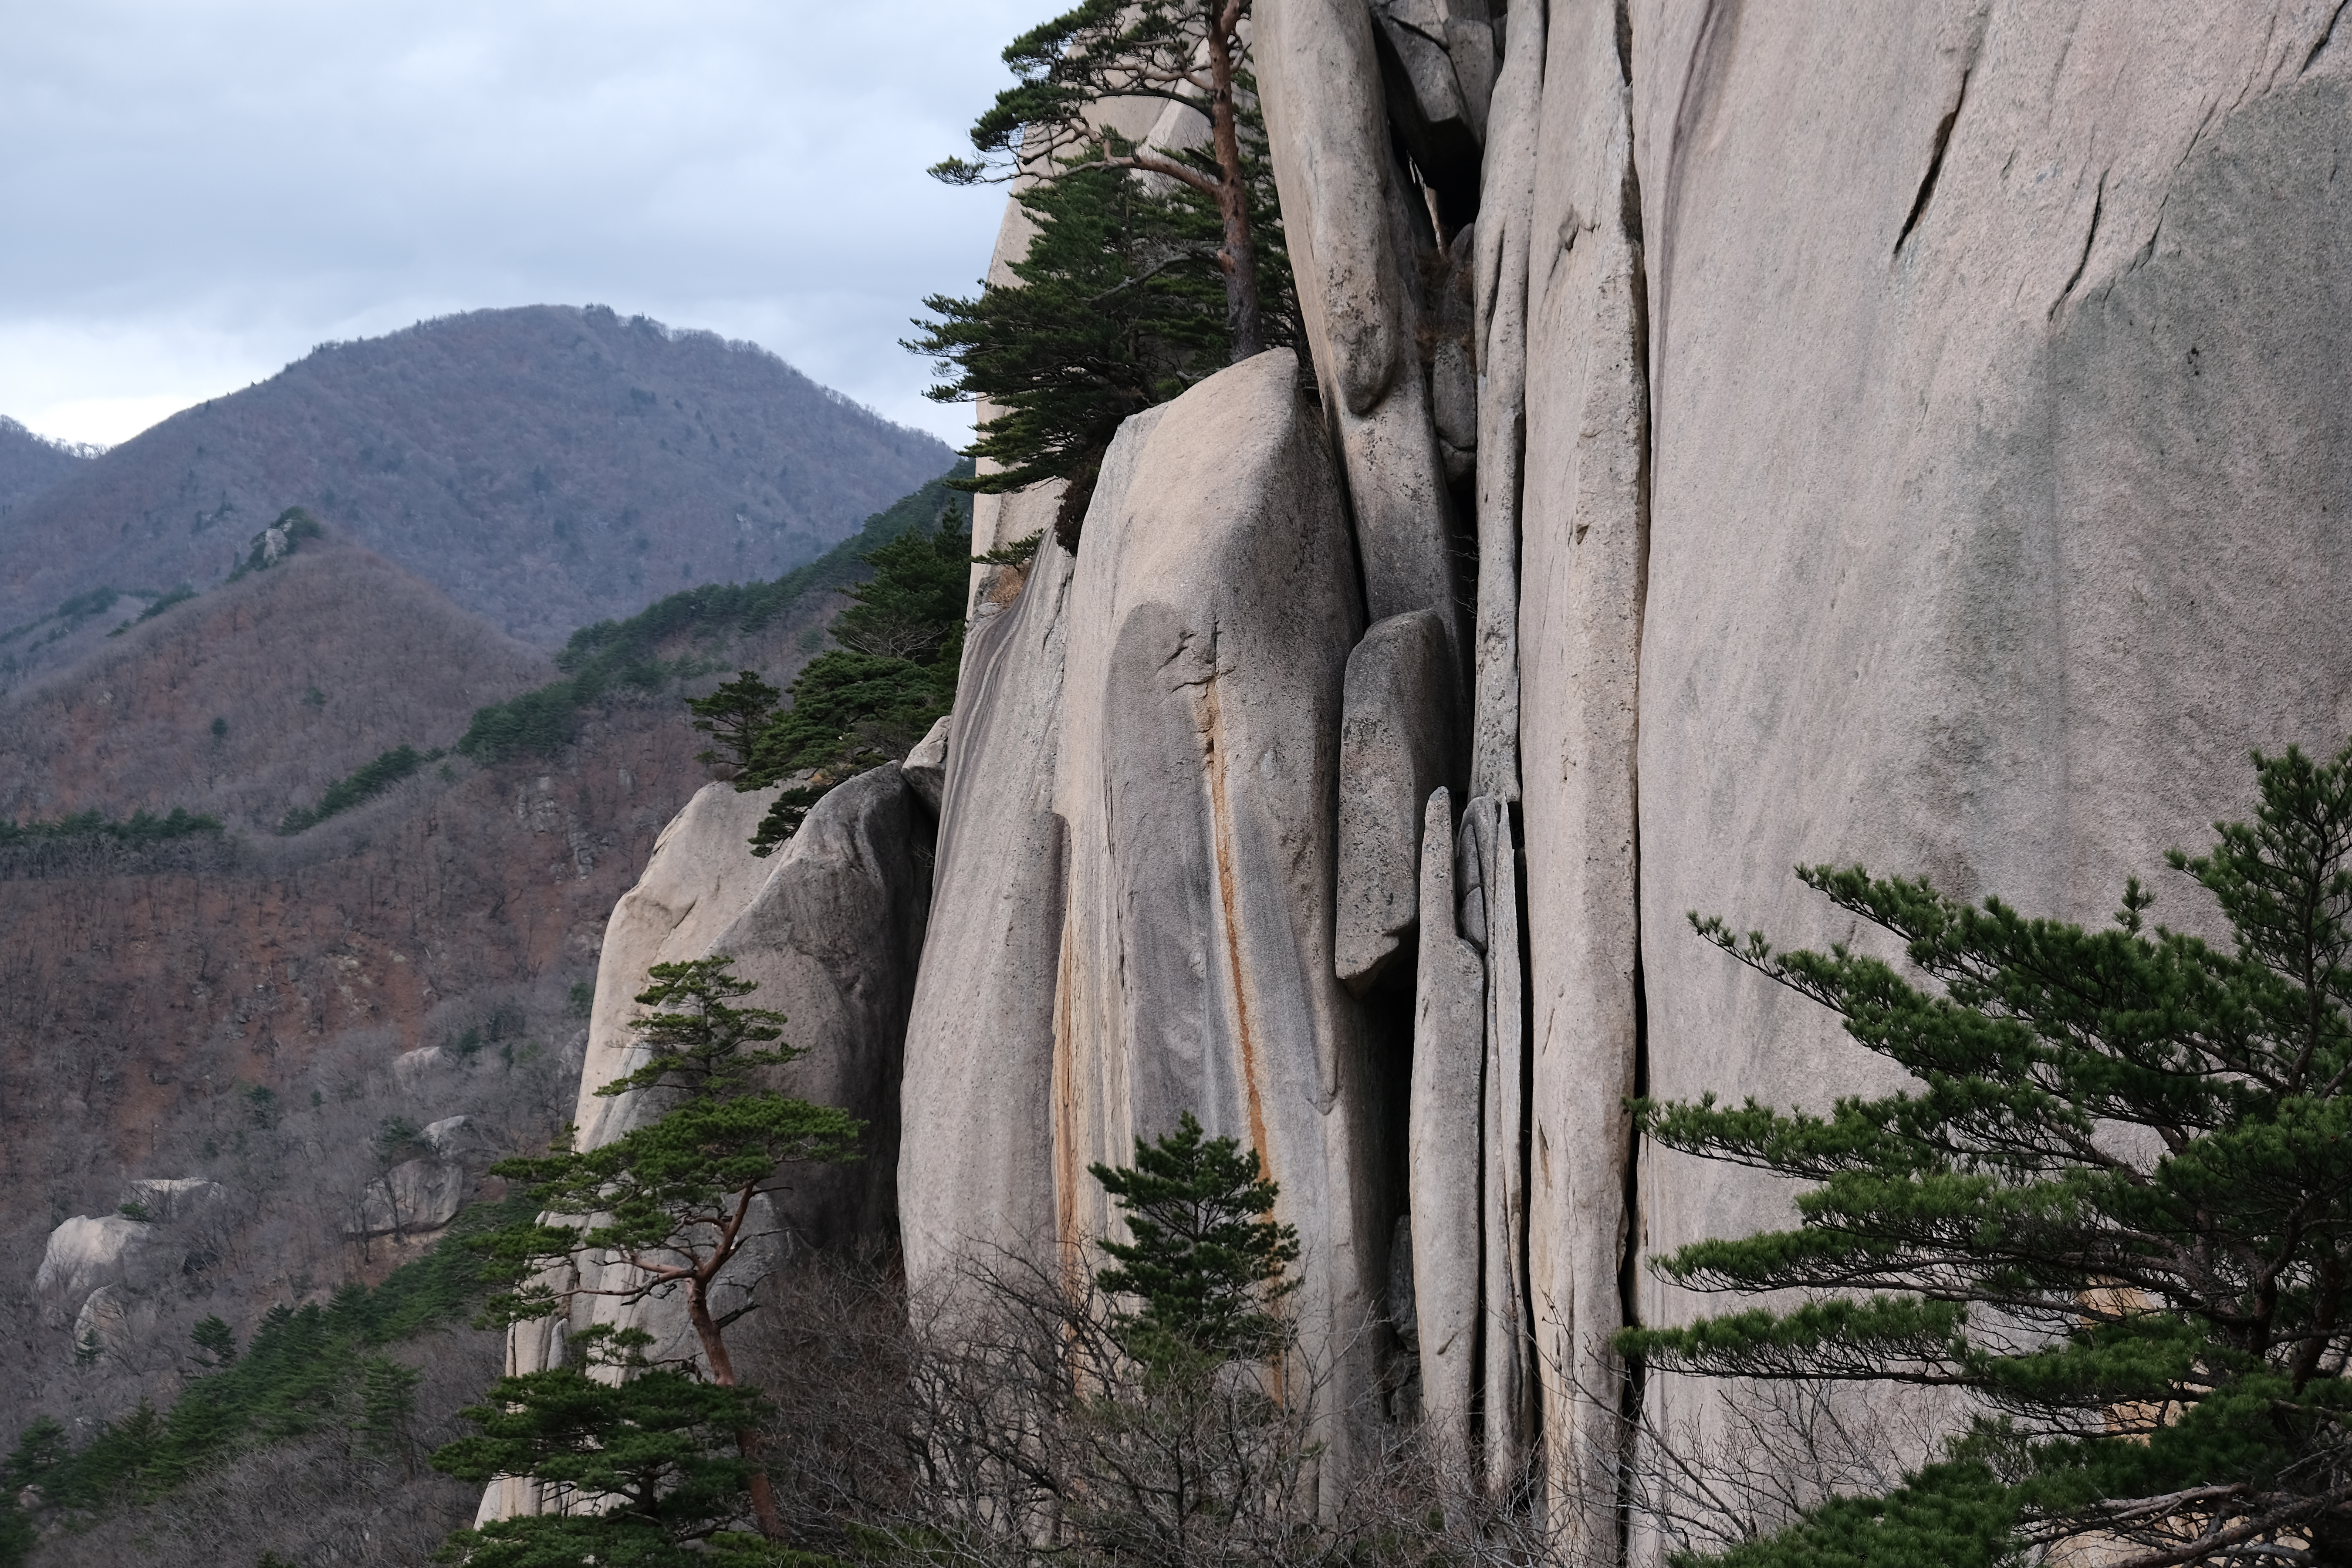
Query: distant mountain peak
pixel 546 465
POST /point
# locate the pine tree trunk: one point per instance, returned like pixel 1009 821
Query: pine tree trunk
pixel 1244 320
pixel 748 1441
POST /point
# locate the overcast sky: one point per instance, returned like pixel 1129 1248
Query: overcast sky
pixel 194 193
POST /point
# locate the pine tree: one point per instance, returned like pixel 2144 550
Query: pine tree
pixel 2114 1205
pixel 631 1457
pixel 675 1199
pixel 1132 288
pixel 1187 52
pixel 861 704
pixel 215 1339
pixel 1203 1257
pixel 732 716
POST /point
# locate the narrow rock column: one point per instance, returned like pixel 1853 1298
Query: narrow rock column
pixel 1499 317
pixel 1444 1152
pixel 1211 617
pixel 975 1169
pixel 1490 901
pixel 1585 557
pixel 1321 76
pixel 1396 744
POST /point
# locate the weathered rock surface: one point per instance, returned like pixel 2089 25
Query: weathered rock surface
pixel 452 1137
pixel 1498 336
pixel 699 878
pixel 1437 60
pixel 832 937
pixel 1903 434
pixel 412 1198
pixel 1211 614
pixel 831 928
pixel 87 1251
pixel 1347 219
pixel 926 767
pixel 1584 539
pixel 1444 1158
pixel 976 1164
pixel 113 1320
pixel 173 1197
pixel 1396 744
pixel 1487 873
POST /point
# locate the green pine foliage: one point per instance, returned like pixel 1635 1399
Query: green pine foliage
pixel 163 602
pixel 2115 1206
pixel 855 706
pixel 641 1450
pixel 306 1370
pixel 1191 53
pixel 672 1198
pixel 1203 1257
pixel 1121 304
pixel 618 659
pixel 365 783
pixel 141 827
pixel 297 525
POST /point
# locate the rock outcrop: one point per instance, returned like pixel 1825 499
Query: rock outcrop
pixel 1211 610
pixel 1396 744
pixel 831 929
pixel 85 1252
pixel 1949 476
pixel 413 1198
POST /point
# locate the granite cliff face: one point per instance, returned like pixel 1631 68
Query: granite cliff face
pixel 1905 434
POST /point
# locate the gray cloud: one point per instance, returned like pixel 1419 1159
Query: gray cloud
pixel 196 191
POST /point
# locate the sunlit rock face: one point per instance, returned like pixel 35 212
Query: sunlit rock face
pixel 1213 607
pixel 1138 857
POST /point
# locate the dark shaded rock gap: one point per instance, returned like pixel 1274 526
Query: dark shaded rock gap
pixel 1936 160
pixel 1631 1392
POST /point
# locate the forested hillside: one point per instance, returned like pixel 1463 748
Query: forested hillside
pixel 263 922
pixel 546 467
pixel 29 464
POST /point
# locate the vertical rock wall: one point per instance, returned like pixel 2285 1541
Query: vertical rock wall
pixel 1903 433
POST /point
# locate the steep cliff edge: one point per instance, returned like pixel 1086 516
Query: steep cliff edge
pixel 1912 437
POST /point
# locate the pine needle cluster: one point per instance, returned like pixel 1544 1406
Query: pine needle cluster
pixel 2113 1209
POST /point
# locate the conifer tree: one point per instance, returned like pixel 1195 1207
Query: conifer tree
pixel 1132 285
pixel 1203 1256
pixel 858 705
pixel 675 1199
pixel 1187 52
pixel 2113 1206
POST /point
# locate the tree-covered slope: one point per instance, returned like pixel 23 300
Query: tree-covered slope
pixel 546 467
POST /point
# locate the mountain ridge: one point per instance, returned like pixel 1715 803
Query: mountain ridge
pixel 545 466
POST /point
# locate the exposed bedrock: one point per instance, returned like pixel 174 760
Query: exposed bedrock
pixel 976 1171
pixel 1444 1155
pixel 832 929
pixel 925 768
pixel 1583 545
pixel 1397 742
pixel 1211 611
pixel 2065 528
pixel 1357 229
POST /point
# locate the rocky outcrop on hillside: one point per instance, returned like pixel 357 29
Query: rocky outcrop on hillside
pixel 545 466
pixel 302 1019
pixel 1908 436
